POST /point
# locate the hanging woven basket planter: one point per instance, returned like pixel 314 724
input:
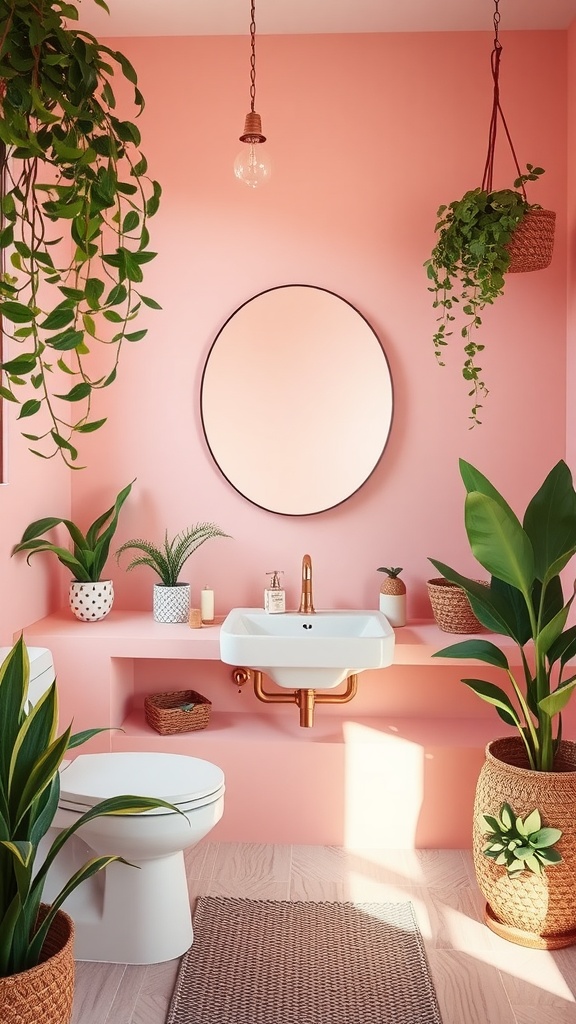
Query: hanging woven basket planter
pixel 532 243
pixel 481 238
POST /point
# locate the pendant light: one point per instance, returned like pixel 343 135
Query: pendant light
pixel 252 165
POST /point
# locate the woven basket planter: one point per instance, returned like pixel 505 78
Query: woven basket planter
pixel 532 243
pixel 533 910
pixel 170 713
pixel 44 994
pixel 451 607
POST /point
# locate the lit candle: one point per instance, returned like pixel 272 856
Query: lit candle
pixel 207 604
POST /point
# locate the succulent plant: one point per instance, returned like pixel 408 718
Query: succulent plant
pixel 520 845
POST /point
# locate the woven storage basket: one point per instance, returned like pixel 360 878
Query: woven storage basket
pixel 44 994
pixel 165 711
pixel 533 910
pixel 532 243
pixel 451 607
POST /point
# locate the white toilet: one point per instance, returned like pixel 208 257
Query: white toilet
pixel 129 914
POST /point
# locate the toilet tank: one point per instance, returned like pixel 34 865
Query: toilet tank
pixel 41 671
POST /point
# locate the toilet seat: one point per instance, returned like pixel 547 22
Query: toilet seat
pixel 187 782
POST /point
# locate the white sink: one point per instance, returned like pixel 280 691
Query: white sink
pixel 303 651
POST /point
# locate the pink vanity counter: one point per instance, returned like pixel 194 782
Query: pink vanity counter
pixel 396 767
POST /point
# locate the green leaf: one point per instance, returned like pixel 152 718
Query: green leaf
pixel 492 694
pixel 29 408
pixel 61 442
pixel 545 837
pixel 481 650
pixel 58 318
pixel 533 822
pixel 20 365
pixel 150 302
pixel 77 393
pixel 498 541
pixel 550 522
pixel 16 312
pixel 555 702
pixel 131 221
pixel 89 427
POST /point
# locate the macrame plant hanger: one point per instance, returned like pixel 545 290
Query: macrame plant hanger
pixel 531 245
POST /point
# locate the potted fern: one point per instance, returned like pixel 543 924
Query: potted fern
pixel 171 596
pixel 36 940
pixel 74 238
pixel 90 596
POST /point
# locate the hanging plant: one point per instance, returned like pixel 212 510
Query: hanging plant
pixel 75 203
pixel 480 238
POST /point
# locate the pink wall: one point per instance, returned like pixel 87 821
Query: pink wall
pixel 33 489
pixel 369 134
pixel 571 252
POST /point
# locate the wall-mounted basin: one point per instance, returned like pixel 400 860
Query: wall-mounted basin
pixel 315 651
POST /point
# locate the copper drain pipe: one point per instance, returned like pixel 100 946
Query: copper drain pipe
pixel 306 699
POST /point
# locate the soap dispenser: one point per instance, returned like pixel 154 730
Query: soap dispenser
pixel 274 595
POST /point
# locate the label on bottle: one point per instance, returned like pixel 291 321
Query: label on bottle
pixel 274 601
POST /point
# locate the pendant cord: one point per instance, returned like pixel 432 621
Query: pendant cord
pixel 496 55
pixel 252 54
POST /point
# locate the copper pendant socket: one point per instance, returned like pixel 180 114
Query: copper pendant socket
pixel 252 129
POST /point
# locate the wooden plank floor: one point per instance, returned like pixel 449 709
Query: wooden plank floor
pixel 479 978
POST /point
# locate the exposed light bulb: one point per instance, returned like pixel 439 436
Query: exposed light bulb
pixel 252 165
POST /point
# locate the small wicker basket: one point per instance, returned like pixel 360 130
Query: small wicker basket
pixel 451 607
pixel 532 243
pixel 178 711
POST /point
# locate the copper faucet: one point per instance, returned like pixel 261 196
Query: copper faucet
pixel 306 603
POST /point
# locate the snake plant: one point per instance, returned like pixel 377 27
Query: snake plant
pixel 90 552
pixel 31 753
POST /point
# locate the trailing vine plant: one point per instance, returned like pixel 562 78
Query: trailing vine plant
pixel 76 199
pixel 468 264
pixel 471 255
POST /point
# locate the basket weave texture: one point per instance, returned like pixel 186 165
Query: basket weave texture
pixel 44 994
pixel 165 712
pixel 532 243
pixel 451 607
pixel 542 907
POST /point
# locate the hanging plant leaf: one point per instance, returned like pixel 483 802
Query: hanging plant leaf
pixel 69 156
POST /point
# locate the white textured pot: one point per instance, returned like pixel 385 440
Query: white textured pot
pixel 393 606
pixel 91 601
pixel 171 604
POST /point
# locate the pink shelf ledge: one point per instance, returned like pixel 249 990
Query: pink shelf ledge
pixel 135 634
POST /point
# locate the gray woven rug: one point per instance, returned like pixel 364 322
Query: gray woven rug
pixel 281 962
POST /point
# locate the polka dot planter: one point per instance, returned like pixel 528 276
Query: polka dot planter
pixel 91 601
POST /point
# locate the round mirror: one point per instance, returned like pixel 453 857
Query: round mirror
pixel 296 400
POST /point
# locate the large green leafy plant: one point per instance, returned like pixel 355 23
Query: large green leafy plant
pixel 467 267
pixel 525 602
pixel 75 203
pixel 31 753
pixel 90 551
pixel 167 560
